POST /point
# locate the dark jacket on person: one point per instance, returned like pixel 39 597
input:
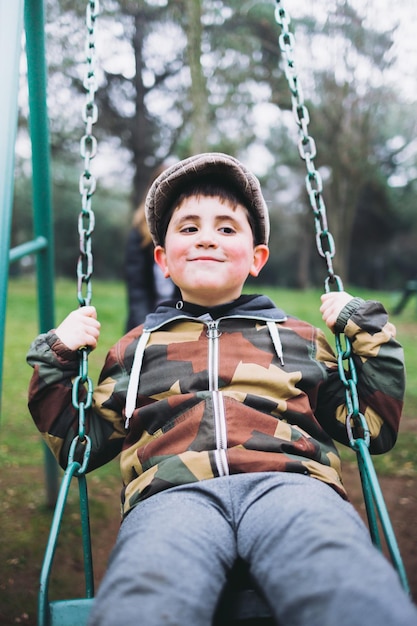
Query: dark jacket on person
pixel 146 286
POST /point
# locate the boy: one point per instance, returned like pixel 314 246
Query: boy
pixel 224 410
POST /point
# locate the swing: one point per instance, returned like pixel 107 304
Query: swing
pixel 240 602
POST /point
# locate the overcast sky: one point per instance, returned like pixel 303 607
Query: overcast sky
pixel 382 14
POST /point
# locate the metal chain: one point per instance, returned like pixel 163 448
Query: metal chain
pixel 82 390
pixel 355 422
pixel 306 147
pixel 88 150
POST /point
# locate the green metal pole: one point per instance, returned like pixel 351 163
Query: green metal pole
pixel 42 204
pixel 11 22
pixel 39 132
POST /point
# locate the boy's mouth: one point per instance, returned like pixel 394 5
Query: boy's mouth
pixel 207 258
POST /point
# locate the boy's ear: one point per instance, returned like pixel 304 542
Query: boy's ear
pixel 260 257
pixel 161 260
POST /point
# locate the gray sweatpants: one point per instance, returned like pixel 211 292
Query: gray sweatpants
pixel 308 550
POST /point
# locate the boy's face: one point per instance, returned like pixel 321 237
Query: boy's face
pixel 209 250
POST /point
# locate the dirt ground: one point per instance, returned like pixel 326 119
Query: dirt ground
pixel 400 495
pixel 19 576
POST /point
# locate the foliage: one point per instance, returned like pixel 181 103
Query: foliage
pixel 225 90
pixel 112 221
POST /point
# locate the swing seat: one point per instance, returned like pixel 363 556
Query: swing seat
pixel 73 612
pixel 240 604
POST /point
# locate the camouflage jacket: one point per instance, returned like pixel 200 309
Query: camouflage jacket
pixel 185 399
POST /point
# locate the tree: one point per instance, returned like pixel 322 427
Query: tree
pixel 200 69
pixel 183 76
pixel 198 89
pixel 347 105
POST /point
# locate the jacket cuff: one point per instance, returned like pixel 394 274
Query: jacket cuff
pixel 60 349
pixel 346 313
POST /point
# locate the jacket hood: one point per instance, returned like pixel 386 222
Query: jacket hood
pixel 258 307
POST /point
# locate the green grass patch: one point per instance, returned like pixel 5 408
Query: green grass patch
pixel 400 461
pixel 20 441
pixel 24 517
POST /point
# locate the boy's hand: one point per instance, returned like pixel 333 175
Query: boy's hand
pixel 332 303
pixel 80 328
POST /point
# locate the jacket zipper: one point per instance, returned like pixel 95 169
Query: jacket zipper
pixel 213 335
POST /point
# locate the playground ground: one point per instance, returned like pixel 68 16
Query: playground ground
pixel 25 518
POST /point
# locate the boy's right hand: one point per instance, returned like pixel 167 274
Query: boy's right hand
pixel 80 328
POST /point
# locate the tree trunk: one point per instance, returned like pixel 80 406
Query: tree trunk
pixel 199 100
pixel 141 131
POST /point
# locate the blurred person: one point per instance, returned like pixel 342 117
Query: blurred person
pixel 146 285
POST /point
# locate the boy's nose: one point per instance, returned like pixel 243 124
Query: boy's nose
pixel 207 239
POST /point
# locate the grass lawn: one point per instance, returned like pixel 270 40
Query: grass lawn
pixel 24 516
pixel 19 442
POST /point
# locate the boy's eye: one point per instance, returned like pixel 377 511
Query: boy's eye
pixel 227 230
pixel 188 229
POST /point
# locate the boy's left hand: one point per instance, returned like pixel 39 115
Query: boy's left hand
pixel 332 304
